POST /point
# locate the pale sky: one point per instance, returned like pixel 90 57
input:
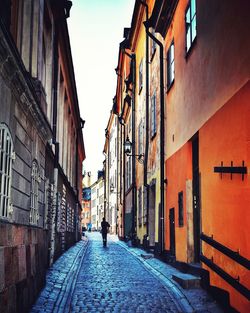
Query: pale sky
pixel 96 29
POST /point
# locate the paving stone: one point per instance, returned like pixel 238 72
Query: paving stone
pixel 115 279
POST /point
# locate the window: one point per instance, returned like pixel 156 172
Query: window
pixel 6 157
pixel 140 138
pixel 190 24
pixel 153 115
pixel 140 76
pixel 35 179
pixel 128 172
pixel 140 197
pixel 153 46
pixel 180 206
pixel 170 65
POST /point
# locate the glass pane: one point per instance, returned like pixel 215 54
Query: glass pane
pixel 193 28
pixel 188 38
pixel 193 8
pixel 1 161
pixel 172 53
pixel 172 73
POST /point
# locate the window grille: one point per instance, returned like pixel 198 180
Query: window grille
pixel 35 180
pixel 190 24
pixel 6 158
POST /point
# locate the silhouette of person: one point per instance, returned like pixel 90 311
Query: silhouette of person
pixel 105 226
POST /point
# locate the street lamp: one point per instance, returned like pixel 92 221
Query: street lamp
pixel 128 149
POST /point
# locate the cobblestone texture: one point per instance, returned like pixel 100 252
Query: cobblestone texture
pixel 91 278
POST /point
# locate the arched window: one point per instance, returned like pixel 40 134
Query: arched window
pixel 6 157
pixel 35 179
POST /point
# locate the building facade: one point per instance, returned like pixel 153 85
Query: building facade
pixel 182 85
pixel 97 202
pixel 39 195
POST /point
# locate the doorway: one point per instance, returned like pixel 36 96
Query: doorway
pixel 172 231
pixel 196 197
pixel 151 217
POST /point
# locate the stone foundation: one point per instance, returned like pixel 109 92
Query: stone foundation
pixel 23 264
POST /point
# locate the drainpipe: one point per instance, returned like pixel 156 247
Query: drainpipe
pixel 134 191
pixel 123 138
pixel 162 135
pixel 147 123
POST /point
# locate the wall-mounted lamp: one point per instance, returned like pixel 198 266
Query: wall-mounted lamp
pixel 128 149
pixel 112 189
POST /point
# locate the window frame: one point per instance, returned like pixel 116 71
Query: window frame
pixel 34 193
pixel 180 209
pixel 189 26
pixel 140 76
pixel 153 46
pixel 6 155
pixel 170 65
pixel 153 114
pixel 140 138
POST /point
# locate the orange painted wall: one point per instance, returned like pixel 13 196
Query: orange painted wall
pixel 216 67
pixel 225 202
pixel 181 160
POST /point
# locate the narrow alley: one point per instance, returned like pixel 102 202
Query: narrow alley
pixel 91 278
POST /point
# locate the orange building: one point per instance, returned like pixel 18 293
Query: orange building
pixel 207 108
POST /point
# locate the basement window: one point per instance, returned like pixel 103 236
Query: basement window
pixel 190 24
pixel 6 159
pixel 180 206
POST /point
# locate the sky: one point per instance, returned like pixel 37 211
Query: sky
pixel 96 29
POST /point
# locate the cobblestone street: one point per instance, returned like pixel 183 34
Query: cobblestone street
pixel 90 278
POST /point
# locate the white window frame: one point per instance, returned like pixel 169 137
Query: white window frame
pixel 6 159
pixel 34 193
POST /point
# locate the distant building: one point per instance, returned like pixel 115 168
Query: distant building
pixel 97 203
pixel 86 207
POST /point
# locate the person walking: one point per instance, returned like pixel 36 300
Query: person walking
pixel 105 227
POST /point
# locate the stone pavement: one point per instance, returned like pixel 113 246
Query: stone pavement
pixel 90 278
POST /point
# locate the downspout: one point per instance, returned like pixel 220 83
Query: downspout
pixel 147 124
pixel 134 190
pixel 123 138
pixel 162 136
pixel 56 159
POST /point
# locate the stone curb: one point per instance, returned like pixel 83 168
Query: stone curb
pixel 63 300
pixel 175 293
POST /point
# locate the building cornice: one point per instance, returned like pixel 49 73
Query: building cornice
pixel 19 81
